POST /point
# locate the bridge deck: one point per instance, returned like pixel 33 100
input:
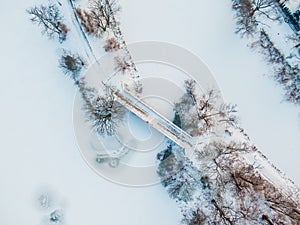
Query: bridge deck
pixel 156 120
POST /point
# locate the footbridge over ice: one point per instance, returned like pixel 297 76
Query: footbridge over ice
pixel 154 118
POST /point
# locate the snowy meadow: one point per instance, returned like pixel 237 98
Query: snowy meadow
pixel 39 150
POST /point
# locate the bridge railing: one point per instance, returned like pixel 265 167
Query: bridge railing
pixel 173 131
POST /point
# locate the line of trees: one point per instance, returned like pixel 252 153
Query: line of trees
pixel 224 188
pixel 250 16
pixel 284 73
pixel 102 111
pixel 100 18
pixel 220 185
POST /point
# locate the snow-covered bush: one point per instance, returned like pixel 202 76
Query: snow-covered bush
pixel 111 45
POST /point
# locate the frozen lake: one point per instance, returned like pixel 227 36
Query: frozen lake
pixel 37 142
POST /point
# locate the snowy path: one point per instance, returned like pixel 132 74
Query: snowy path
pixel 79 29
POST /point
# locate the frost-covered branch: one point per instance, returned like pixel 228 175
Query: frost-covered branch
pixel 102 111
pixel 200 114
pixel 49 18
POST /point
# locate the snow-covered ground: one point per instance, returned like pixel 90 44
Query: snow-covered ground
pixel 37 142
pixel 293 5
pixel 207 29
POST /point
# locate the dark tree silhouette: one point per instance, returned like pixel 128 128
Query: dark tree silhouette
pixel 71 64
pixel 121 64
pixel 103 112
pixel 49 18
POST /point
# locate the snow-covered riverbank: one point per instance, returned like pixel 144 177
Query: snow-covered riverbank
pixel 38 147
pixel 207 29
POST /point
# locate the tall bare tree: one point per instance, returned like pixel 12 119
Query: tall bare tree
pixel 49 18
pixel 200 114
pixel 100 17
pixel 248 13
pixel 102 111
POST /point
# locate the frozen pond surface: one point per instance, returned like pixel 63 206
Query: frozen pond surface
pixel 38 146
pixel 37 142
pixel 206 28
pixel 138 127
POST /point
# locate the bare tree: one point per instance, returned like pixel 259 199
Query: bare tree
pixel 49 18
pixel 248 13
pixel 282 204
pixel 245 21
pixel 200 114
pixel 121 64
pixel 71 64
pixel 100 16
pixel 103 112
pixel 233 192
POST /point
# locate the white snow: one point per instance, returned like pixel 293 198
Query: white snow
pixel 207 29
pixel 37 142
pixel 293 5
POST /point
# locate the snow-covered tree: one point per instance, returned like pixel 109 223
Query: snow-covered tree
pixel 71 64
pixel 178 175
pixel 102 111
pixel 248 13
pixel 246 23
pixel 200 114
pixel 121 64
pixel 49 18
pixel 237 192
pixel 284 73
pixel 100 17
